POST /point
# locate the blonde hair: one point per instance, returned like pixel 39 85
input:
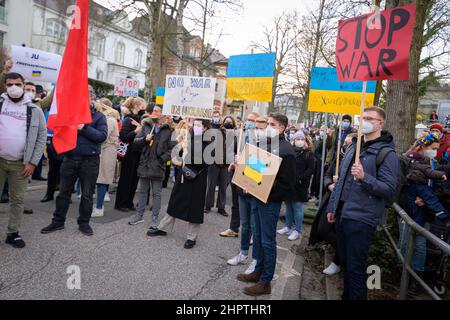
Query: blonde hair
pixel 309 142
pixel 106 101
pixel 106 110
pixel 132 102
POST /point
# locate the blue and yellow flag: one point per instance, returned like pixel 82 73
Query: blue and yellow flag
pixel 255 169
pixel 250 77
pixel 160 92
pixel 328 94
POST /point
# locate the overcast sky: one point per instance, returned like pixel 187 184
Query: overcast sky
pixel 240 30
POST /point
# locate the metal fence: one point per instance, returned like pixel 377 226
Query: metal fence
pixel 412 229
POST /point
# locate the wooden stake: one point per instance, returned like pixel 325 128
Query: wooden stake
pixel 363 101
pixel 338 156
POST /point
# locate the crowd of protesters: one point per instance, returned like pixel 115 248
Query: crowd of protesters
pixel 140 146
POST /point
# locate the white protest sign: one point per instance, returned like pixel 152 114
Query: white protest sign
pixel 126 87
pixel 189 97
pixel 35 65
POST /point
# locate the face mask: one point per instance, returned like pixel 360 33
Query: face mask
pixel 228 126
pixel 216 120
pixel 15 92
pixel 250 125
pixel 271 132
pixel 198 131
pixel 432 154
pixel 345 125
pixel 367 127
pixel 30 95
pixel 300 143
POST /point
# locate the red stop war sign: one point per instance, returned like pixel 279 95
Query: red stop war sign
pixel 375 46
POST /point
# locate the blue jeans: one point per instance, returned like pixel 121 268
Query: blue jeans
pixel 431 201
pixel 247 217
pixel 420 247
pixel 354 239
pixel 102 189
pixel 265 238
pixel 294 213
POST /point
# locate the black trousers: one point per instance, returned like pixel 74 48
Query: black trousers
pixel 86 169
pixel 128 181
pixel 235 222
pixel 217 175
pixel 54 168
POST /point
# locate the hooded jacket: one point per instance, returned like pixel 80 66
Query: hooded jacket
pixel 365 200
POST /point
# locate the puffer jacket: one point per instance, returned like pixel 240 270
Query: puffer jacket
pixel 365 200
pixel 154 155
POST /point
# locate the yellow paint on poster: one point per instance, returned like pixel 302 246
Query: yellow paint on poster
pixel 253 174
pixel 338 101
pixel 252 89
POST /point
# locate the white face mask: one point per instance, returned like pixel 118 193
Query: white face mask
pixel 15 92
pixel 367 127
pixel 30 95
pixel 432 154
pixel 299 143
pixel 271 132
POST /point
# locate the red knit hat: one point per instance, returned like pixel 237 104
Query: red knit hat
pixel 437 126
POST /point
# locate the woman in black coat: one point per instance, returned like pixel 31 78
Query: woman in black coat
pixel 187 201
pixel 305 165
pixel 128 181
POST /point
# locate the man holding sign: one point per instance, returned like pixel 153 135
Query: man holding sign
pixel 359 198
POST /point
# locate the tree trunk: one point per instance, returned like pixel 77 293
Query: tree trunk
pixel 180 37
pixel 402 97
pixel 154 13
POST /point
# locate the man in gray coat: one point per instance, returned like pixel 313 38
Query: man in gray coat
pixel 23 135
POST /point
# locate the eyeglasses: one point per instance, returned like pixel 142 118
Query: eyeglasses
pixel 370 119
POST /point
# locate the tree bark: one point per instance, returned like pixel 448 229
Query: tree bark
pixel 180 37
pixel 402 97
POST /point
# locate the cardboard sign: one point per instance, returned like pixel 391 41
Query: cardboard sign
pixel 376 46
pixel 189 97
pixel 250 77
pixel 256 172
pixel 125 87
pixel 35 65
pixel 327 94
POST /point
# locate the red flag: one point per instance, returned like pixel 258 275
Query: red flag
pixel 70 105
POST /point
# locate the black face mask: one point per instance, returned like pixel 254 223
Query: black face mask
pixel 228 126
pixel 141 113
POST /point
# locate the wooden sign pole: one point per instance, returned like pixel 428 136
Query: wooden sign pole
pixel 338 150
pixel 363 101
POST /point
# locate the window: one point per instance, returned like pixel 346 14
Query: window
pixel 120 53
pixel 2 10
pixel 138 59
pixel 99 75
pixel 101 42
pixel 56 29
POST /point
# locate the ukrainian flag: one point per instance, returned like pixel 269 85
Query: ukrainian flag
pixel 160 92
pixel 255 169
pixel 328 94
pixel 250 77
pixel 36 73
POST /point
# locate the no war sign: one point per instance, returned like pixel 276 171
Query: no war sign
pixel 375 46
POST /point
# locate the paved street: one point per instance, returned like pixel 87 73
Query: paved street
pixel 121 262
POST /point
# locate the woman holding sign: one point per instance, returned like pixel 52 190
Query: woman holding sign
pixel 187 201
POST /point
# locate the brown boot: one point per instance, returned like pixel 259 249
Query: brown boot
pixel 249 278
pixel 258 289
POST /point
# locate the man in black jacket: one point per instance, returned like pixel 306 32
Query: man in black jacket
pixel 154 141
pixel 81 163
pixel 266 214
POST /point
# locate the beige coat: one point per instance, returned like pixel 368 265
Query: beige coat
pixel 108 156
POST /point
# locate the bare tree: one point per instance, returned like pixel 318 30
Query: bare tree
pixel 280 38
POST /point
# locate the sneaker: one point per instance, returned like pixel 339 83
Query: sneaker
pixel 86 229
pixel 98 213
pixel 79 196
pixel 52 227
pixel 156 233
pixel 284 231
pixel 189 244
pixel 239 259
pixel 135 220
pixel 229 234
pixel 294 235
pixel 107 198
pixel 251 267
pixel 332 269
pixel 15 240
